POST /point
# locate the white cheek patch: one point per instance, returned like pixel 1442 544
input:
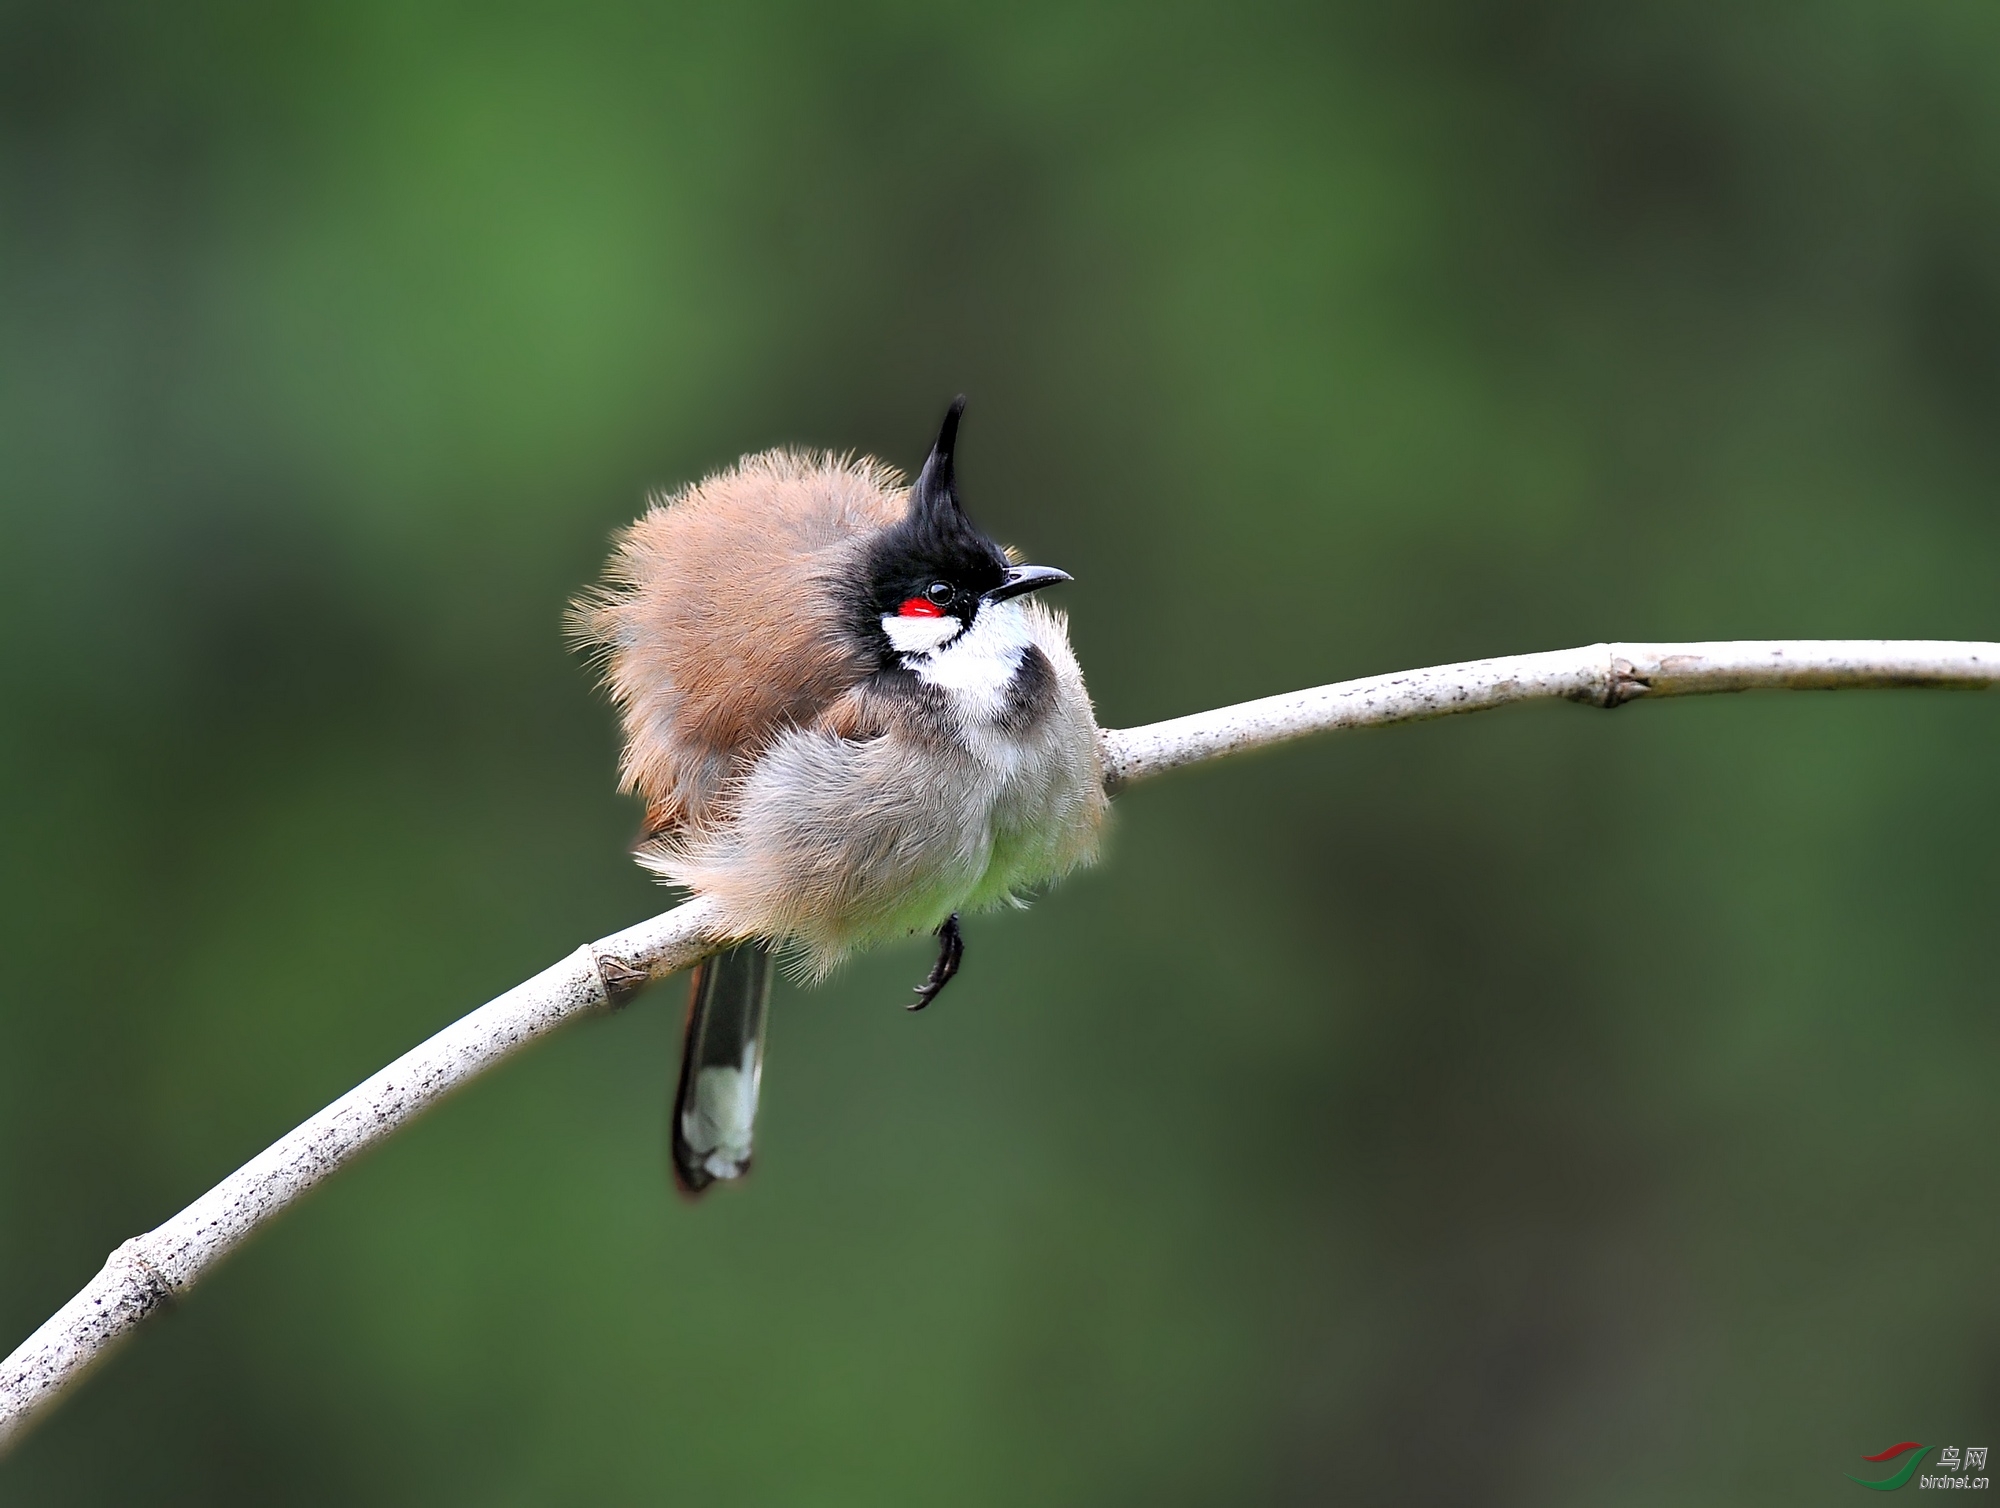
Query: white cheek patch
pixel 918 636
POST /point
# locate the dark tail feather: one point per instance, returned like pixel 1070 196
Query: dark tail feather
pixel 715 1107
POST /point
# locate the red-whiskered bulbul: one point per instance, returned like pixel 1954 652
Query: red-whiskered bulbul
pixel 848 720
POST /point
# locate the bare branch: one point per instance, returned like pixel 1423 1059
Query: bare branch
pixel 155 1268
pixel 1604 675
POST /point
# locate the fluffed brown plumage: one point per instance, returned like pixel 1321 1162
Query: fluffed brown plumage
pixel 815 800
pixel 703 682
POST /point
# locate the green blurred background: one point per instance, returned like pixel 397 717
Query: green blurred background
pixel 1541 1108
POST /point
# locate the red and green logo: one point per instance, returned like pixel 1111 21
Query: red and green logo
pixel 1902 1475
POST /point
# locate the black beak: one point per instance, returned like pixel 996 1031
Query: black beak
pixel 1022 580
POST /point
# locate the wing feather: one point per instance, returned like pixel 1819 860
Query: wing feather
pixel 711 628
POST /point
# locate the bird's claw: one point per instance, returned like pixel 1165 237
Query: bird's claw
pixel 951 950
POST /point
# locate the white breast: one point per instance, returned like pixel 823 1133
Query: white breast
pixel 974 669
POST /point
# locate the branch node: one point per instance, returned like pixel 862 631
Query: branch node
pixel 1623 684
pixel 154 1291
pixel 1613 682
pixel 620 980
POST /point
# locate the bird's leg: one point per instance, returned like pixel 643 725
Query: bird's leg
pixel 951 949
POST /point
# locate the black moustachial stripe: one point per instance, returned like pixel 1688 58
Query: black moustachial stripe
pixel 1030 693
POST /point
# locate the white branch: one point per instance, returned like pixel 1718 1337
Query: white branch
pixel 1604 675
pixel 155 1268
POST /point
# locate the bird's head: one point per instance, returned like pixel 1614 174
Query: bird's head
pixel 930 578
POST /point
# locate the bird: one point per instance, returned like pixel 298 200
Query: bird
pixel 849 718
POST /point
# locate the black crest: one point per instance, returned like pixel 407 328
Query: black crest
pixel 934 504
pixel 935 542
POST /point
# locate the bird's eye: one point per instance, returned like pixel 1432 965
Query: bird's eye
pixel 937 596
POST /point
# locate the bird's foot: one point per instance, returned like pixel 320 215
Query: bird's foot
pixel 951 950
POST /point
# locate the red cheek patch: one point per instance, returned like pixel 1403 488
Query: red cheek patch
pixel 919 607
